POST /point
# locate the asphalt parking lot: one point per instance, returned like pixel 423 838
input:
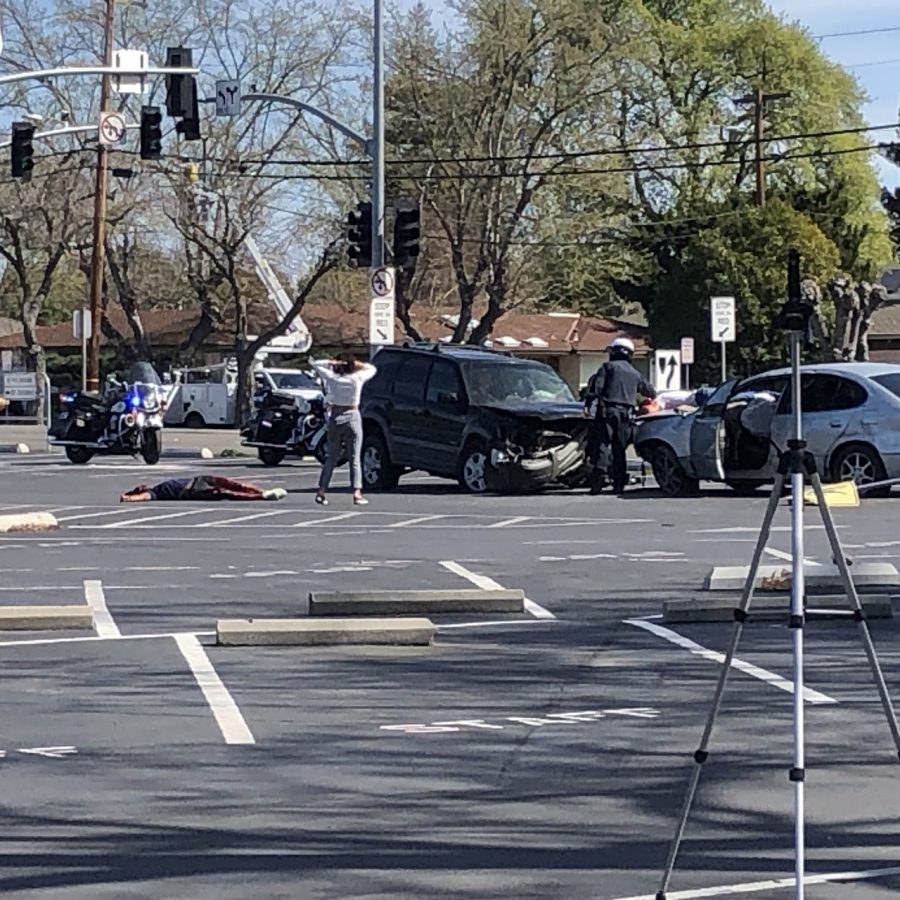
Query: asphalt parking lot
pixel 531 756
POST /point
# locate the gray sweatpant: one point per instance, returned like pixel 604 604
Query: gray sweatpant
pixel 345 428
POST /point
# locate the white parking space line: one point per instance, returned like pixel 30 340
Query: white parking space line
pixel 754 887
pixel 809 695
pixel 492 624
pixel 327 521
pixel 488 584
pixel 407 523
pixel 508 522
pixel 175 515
pixel 262 515
pixel 117 511
pixel 780 554
pixel 96 637
pixel 104 624
pixel 228 717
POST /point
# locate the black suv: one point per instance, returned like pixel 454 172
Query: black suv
pixel 490 420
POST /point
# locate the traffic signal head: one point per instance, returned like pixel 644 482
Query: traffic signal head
pixel 151 132
pixel 179 97
pixel 22 153
pixel 407 234
pixel 359 235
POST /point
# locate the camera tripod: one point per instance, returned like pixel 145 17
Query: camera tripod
pixel 800 465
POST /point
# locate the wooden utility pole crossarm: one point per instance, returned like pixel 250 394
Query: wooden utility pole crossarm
pixel 98 257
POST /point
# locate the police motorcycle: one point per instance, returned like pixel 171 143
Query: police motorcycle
pixel 284 423
pixel 125 419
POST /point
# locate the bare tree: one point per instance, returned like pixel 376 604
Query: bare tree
pixel 40 223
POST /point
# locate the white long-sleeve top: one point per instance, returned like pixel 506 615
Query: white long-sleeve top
pixel 343 390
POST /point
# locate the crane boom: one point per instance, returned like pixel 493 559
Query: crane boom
pixel 297 332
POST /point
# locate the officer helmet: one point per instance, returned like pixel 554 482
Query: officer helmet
pixel 622 347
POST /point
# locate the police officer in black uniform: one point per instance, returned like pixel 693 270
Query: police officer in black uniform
pixel 614 388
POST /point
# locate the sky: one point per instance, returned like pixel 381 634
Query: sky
pixel 873 58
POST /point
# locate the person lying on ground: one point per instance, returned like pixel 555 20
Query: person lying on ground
pixel 206 487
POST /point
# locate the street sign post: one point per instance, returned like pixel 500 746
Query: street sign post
pixel 687 359
pixel 723 323
pixel 382 282
pixel 666 374
pixel 228 98
pixel 81 328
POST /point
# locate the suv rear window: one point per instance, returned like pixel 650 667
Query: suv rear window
pixel 410 378
pixel 493 383
pixel 890 381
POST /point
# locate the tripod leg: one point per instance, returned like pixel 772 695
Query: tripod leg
pixel 740 617
pixel 858 613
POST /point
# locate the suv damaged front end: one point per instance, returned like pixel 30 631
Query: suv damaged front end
pixel 531 450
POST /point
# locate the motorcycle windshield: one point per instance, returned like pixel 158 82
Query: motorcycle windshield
pixel 144 373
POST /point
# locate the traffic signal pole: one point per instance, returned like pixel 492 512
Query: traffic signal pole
pixel 98 255
pixel 378 141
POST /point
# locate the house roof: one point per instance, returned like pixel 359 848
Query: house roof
pixel 159 324
pixel 886 321
pixel 333 326
pixel 9 326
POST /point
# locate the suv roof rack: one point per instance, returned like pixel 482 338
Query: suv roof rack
pixel 438 347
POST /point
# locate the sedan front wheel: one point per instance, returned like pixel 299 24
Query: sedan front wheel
pixel 671 478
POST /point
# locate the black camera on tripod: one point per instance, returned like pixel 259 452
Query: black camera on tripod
pixel 797 313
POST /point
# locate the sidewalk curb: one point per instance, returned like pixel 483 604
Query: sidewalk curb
pixel 15 448
pixel 39 521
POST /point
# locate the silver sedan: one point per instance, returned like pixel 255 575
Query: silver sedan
pixel 851 422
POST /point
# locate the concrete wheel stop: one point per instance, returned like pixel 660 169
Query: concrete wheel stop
pixel 45 618
pixel 31 521
pixel 308 632
pixel 876 583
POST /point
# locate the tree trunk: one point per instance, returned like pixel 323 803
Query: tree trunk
pixel 38 362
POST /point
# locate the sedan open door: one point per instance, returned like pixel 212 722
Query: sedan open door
pixel 708 435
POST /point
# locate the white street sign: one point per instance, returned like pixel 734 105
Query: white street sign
pixel 382 282
pixel 666 374
pixel 381 321
pixel 687 351
pixel 112 129
pixel 228 98
pixel 20 385
pixel 131 60
pixel 722 319
pixel 81 323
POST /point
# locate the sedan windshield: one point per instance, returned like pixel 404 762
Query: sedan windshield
pixel 512 384
pixel 891 381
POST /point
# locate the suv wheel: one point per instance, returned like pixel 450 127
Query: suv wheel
pixel 378 472
pixel 475 468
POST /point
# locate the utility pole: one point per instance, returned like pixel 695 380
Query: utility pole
pixel 378 142
pixel 98 256
pixel 759 100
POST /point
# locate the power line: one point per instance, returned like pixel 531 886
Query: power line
pixel 559 173
pixel 834 34
pixel 577 154
pixel 877 62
